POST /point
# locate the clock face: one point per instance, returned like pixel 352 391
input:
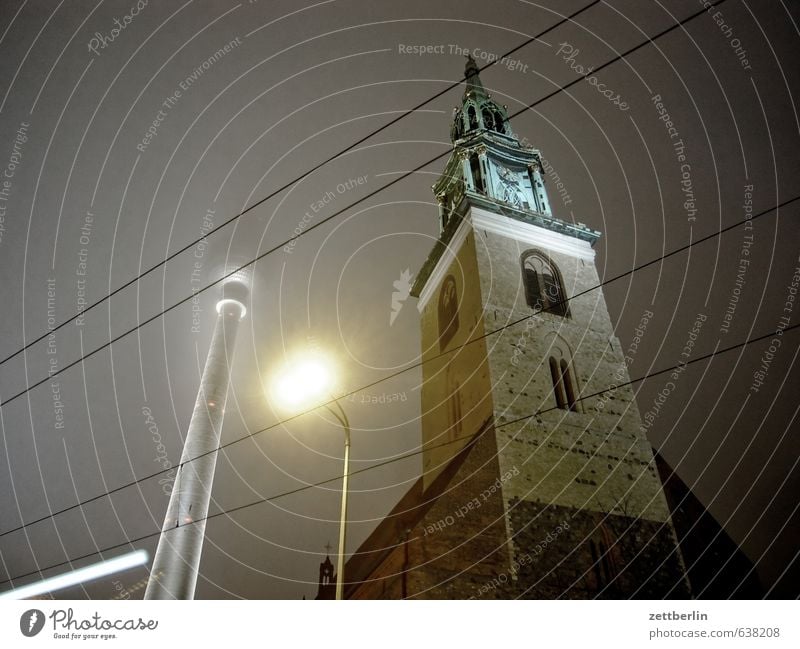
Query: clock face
pixel 508 189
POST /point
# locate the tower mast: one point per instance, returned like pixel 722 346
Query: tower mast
pixel 177 558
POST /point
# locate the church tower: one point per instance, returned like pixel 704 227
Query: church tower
pixel 568 502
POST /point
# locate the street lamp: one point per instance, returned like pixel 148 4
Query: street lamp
pixel 307 381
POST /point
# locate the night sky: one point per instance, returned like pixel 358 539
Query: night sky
pixel 119 146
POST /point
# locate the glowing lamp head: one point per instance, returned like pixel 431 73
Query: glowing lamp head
pixel 305 381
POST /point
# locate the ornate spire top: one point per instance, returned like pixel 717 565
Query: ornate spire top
pixel 478 113
pixel 474 87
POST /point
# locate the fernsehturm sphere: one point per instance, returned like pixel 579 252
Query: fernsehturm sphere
pixel 177 559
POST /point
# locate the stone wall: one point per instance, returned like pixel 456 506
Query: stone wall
pixel 595 459
pixel 462 374
pixel 561 504
pixel 580 554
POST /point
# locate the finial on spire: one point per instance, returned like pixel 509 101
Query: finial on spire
pixel 471 66
pixel 472 75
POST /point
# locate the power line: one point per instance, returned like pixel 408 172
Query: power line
pixel 285 186
pixel 158 315
pixel 348 207
pixel 405 369
pixel 406 456
pixel 322 221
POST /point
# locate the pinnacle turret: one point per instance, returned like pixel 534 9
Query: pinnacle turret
pixel 478 111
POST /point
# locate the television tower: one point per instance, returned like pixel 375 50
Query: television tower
pixel 177 558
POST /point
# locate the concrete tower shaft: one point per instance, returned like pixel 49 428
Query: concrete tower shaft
pixel 177 559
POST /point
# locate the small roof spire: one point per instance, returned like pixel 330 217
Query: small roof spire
pixel 474 88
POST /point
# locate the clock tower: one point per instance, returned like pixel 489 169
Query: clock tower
pixel 537 483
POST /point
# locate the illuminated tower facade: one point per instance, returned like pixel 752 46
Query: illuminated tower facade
pixel 177 558
pixel 575 487
pixel 536 481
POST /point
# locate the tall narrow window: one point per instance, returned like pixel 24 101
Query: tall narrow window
pixel 488 122
pixel 498 123
pixel 566 392
pixel 600 566
pixel 566 380
pixel 448 311
pixel 457 127
pixel 477 176
pixel 604 565
pixel 455 413
pixel 452 402
pixel 558 384
pixel 543 288
pixel 472 116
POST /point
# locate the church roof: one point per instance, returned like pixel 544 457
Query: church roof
pixel 404 516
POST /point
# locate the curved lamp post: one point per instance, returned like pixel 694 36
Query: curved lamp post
pixel 307 381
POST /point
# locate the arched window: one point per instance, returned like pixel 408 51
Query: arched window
pixel 488 122
pixel 569 386
pixel 543 288
pixel 565 386
pixel 558 384
pixel 473 117
pixel 448 311
pixel 477 176
pixel 603 561
pixel 457 126
pixel 498 122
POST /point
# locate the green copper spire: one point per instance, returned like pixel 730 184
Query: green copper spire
pixel 474 89
pixel 478 112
